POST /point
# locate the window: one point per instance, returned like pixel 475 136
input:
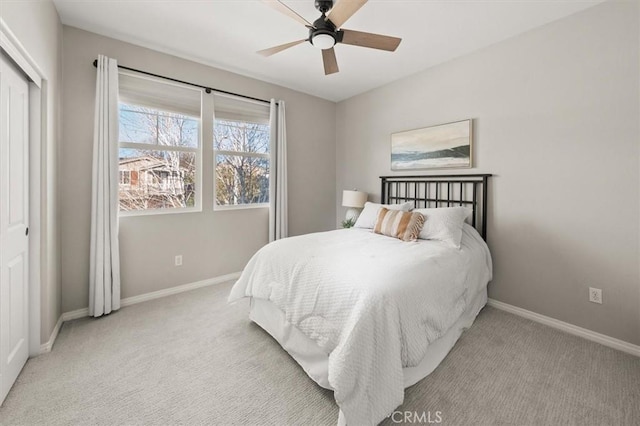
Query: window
pixel 159 147
pixel 125 177
pixel 241 149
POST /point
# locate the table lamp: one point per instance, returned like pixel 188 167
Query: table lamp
pixel 355 201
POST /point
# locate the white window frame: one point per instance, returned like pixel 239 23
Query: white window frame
pixel 198 152
pixel 216 206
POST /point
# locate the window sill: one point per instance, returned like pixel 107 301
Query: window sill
pixel 240 207
pixel 155 212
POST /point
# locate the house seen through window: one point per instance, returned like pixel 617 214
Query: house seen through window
pixel 159 147
pixel 160 157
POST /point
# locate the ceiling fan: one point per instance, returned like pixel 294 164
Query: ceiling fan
pixel 326 32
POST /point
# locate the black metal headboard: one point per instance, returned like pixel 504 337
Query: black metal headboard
pixel 433 191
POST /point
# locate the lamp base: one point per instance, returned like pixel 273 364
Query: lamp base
pixel 352 213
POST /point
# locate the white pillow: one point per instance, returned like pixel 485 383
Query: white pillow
pixel 444 224
pixel 369 215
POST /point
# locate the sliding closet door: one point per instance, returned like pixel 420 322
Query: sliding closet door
pixel 14 231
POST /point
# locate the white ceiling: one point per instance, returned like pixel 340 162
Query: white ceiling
pixel 227 33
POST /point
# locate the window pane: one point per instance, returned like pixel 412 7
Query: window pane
pixel 241 136
pixel 135 126
pixel 146 125
pixel 241 180
pixel 156 179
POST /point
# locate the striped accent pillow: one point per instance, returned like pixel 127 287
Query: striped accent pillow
pixel 395 223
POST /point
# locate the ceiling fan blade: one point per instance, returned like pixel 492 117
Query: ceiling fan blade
pixel 374 41
pixel 330 61
pixel 344 10
pixel 283 8
pixel 273 50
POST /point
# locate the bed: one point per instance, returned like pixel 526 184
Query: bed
pixel 367 315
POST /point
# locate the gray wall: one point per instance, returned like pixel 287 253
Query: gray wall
pixel 212 243
pixel 38 27
pixel 557 121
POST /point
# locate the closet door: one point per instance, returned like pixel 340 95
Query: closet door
pixel 14 231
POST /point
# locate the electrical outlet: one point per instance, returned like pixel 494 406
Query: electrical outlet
pixel 179 260
pixel 595 295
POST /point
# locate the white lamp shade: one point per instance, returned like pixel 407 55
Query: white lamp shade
pixel 354 198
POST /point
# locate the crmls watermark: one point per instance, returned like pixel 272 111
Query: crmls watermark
pixel 416 417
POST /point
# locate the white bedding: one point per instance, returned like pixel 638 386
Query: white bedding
pixel 315 362
pixel 373 303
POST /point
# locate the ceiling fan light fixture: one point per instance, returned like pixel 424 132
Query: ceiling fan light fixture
pixel 323 41
pixel 326 31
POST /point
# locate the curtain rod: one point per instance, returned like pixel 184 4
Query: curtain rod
pixel 206 89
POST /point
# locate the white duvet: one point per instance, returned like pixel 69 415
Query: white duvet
pixel 373 303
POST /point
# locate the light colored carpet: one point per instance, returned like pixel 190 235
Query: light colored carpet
pixel 193 359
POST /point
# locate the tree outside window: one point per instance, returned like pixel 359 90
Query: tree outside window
pixel 158 152
pixel 241 163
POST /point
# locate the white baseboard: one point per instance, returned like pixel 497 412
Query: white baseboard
pixel 80 313
pixel 603 339
pixel 46 347
pixel 179 289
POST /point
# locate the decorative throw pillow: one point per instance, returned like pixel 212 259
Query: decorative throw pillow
pixel 444 224
pixel 367 218
pixel 395 223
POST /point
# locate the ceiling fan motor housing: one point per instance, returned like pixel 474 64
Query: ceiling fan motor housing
pixel 324 5
pixel 324 26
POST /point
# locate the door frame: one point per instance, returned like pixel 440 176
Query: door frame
pixel 38 118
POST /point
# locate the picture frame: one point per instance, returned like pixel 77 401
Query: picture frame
pixel 448 145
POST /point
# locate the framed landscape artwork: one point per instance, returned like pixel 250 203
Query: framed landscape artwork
pixel 442 146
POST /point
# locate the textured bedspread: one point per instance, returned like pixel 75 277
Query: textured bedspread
pixel 373 303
